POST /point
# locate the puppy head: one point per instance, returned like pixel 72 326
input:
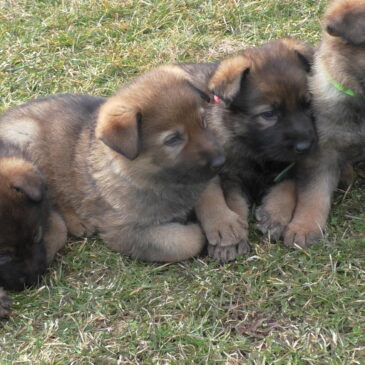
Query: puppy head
pixel 266 100
pixel 23 216
pixel 157 122
pixel 344 27
pixel 346 19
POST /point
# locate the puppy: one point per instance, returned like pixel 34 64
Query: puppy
pixel 338 88
pixel 25 217
pixel 130 167
pixel 263 116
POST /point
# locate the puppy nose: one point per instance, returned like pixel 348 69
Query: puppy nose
pixel 217 162
pixel 302 146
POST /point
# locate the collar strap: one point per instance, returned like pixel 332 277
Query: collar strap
pixel 339 87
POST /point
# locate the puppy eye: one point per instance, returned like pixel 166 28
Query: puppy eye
pixel 174 140
pixel 270 115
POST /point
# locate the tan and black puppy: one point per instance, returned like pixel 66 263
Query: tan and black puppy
pixel 338 88
pixel 263 116
pixel 25 219
pixel 130 167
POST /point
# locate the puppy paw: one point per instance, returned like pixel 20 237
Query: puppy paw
pixel 277 209
pixel 272 226
pixel 226 230
pixel 302 235
pixel 75 226
pixel 4 304
pixel 224 254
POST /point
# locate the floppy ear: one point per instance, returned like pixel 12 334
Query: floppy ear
pixel 29 182
pixel 226 81
pixel 118 127
pixel 350 26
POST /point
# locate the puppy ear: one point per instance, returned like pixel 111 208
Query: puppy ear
pixel 29 182
pixel 118 127
pixel 226 81
pixel 304 52
pixel 306 61
pixel 349 25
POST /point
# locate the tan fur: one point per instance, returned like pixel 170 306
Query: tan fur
pixel 249 85
pixel 310 216
pixel 28 231
pixel 223 224
pixel 56 235
pixel 277 209
pixel 339 118
pixel 226 80
pixel 111 168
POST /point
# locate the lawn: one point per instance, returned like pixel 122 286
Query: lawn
pixel 274 306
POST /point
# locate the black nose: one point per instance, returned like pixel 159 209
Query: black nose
pixel 217 162
pixel 302 146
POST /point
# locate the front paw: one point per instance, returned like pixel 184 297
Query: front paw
pixel 227 229
pixel 224 254
pixel 4 304
pixel 302 235
pixel 272 226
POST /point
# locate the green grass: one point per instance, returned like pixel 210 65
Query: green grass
pixel 275 306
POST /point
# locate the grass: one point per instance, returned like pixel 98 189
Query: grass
pixel 274 306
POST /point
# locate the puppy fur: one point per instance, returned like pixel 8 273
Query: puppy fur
pixel 340 121
pixel 130 167
pixel 264 120
pixel 25 217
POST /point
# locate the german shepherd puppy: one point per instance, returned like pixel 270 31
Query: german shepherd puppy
pixel 25 219
pixel 263 116
pixel 130 167
pixel 338 88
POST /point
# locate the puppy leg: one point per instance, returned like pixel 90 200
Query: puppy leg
pixel 238 204
pixel 56 235
pixel 225 228
pixel 315 187
pixel 277 209
pixel 347 176
pixel 74 224
pixel 4 304
pixel 169 242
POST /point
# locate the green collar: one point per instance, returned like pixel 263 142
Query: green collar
pixel 339 87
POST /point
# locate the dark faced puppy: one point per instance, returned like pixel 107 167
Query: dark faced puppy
pixel 23 220
pixel 338 89
pixel 263 114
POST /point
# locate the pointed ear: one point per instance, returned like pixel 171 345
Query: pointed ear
pixel 304 52
pixel 349 25
pixel 29 182
pixel 226 81
pixel 118 127
pixel 306 60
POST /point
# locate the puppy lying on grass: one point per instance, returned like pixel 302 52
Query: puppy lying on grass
pixel 130 167
pixel 25 223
